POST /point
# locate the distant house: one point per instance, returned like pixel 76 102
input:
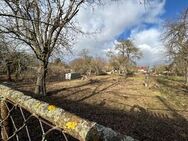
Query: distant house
pixel 142 69
pixel 72 75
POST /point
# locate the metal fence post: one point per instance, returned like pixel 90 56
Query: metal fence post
pixel 4 120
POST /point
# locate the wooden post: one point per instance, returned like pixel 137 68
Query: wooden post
pixel 5 123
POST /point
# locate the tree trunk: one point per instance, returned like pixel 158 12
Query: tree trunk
pixel 8 71
pixel 125 68
pixel 186 75
pixel 97 70
pixel 40 87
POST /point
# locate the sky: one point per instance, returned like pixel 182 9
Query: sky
pixel 127 19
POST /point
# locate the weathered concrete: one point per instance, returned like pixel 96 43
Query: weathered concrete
pixel 79 128
pixel 5 123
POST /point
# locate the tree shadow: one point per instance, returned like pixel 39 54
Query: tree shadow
pixel 30 92
pixel 175 80
pixel 54 92
pixel 179 88
pixel 139 122
pixel 96 91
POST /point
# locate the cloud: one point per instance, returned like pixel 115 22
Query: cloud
pixel 110 20
pixel 149 42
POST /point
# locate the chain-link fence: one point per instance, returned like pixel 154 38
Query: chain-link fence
pixel 24 118
pixel 17 124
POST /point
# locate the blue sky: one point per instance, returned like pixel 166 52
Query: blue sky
pixel 128 19
pixel 173 7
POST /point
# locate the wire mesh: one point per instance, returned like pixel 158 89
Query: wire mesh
pixel 25 126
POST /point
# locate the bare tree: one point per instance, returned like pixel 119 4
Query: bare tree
pixel 43 25
pixel 40 24
pixel 87 61
pixel 12 60
pixel 98 65
pixel 127 49
pixel 176 40
pixel 82 64
pixel 127 54
pixel 115 61
pixel 6 56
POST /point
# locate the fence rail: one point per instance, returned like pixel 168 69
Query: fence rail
pixel 41 121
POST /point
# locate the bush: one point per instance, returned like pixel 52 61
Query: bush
pixel 130 73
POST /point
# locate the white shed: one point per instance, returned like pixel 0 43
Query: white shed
pixel 72 75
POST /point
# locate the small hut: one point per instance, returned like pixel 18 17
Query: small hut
pixel 72 75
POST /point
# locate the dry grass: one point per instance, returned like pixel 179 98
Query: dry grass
pixel 155 113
